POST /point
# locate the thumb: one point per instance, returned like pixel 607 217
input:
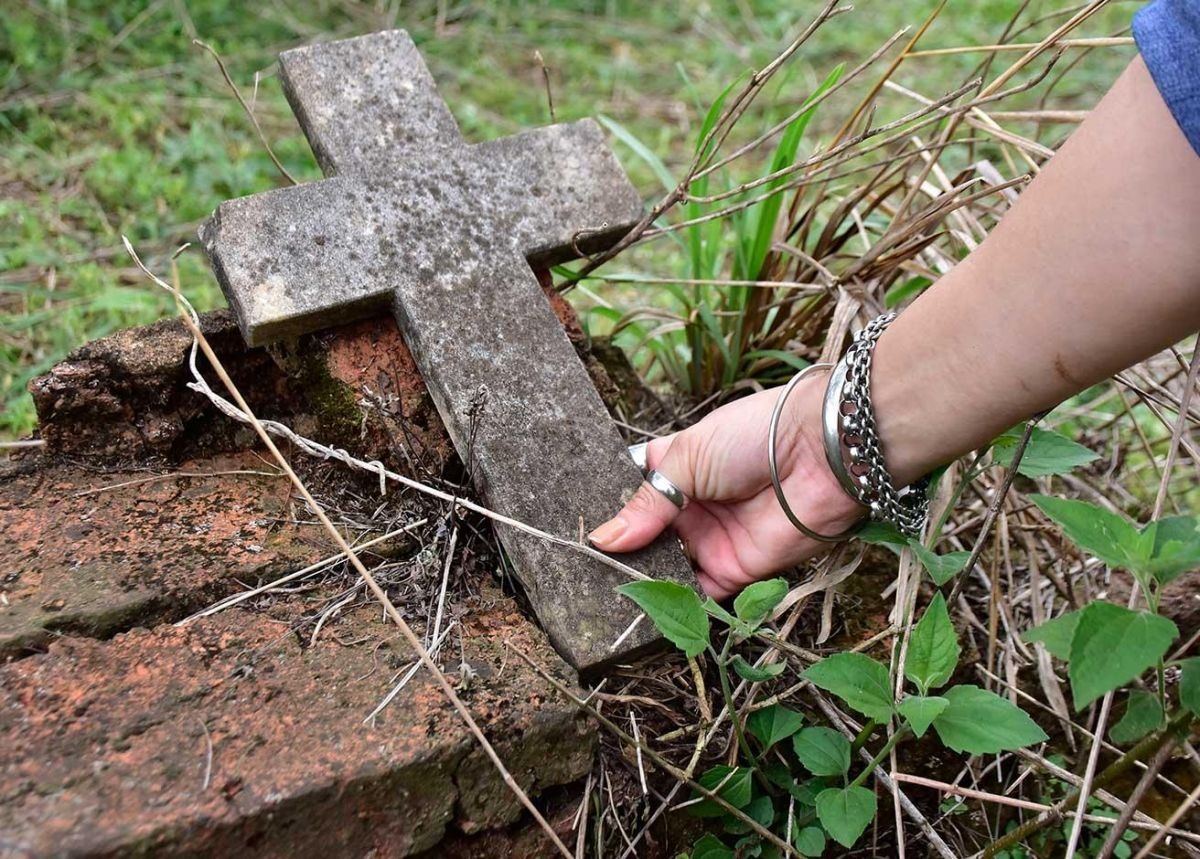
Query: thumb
pixel 649 512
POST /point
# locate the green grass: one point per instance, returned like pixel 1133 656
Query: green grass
pixel 111 122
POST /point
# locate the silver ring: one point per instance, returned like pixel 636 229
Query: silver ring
pixel 775 482
pixel 668 489
pixel 638 452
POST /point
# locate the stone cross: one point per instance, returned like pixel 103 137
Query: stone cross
pixel 445 233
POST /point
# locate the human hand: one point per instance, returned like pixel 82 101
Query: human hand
pixel 733 528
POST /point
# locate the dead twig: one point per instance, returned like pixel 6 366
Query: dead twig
pixel 1102 42
pixel 175 476
pixel 208 755
pixel 537 55
pixel 1125 819
pixel 1175 817
pixel 658 759
pixel 994 507
pixel 1014 802
pixel 1147 746
pixel 246 107
pixel 231 601
pixel 713 140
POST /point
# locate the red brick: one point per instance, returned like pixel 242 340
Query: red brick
pixel 76 560
pixel 103 748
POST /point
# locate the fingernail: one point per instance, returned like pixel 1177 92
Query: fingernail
pixel 609 531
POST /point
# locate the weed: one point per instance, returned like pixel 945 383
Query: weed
pixel 798 778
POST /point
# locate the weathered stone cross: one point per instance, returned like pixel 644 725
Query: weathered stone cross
pixel 445 233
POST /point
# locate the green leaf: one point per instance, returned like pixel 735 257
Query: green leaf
pixel 710 847
pixel 751 847
pixel 780 774
pixel 714 609
pixel 942 568
pixel 753 673
pixel 1112 645
pixel 1173 546
pixel 772 724
pixel 641 150
pixel 711 117
pixel 761 810
pixel 1056 634
pixel 740 628
pixel 846 813
pixel 809 841
pixel 982 723
pixel 715 332
pixel 933 648
pixel 1109 536
pixel 823 751
pixel 736 790
pixel 858 680
pixel 758 600
pixel 676 611
pixel 1189 685
pixel 921 710
pixel 1048 452
pixel 881 534
pixel 1143 713
pixel 785 155
pixel 901 292
pixel 805 792
pixel 793 361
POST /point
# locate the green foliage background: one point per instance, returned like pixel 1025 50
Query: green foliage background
pixel 111 122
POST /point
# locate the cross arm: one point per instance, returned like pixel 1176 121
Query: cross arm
pixel 569 195
pixel 329 274
pixel 367 103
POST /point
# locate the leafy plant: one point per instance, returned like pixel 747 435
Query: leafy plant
pixel 718 327
pixel 1052 840
pixel 1107 646
pixel 791 770
pixel 1046 453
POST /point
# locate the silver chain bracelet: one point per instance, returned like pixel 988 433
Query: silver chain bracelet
pixel 852 445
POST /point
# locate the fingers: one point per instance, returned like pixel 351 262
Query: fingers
pixel 649 512
pixel 714 587
pixel 656 449
pixel 707 533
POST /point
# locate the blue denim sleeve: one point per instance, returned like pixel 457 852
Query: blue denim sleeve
pixel 1168 36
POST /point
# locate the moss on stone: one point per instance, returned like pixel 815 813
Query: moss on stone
pixel 331 401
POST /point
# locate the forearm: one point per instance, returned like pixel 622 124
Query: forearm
pixel 1095 268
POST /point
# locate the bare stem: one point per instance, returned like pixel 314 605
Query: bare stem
pixel 250 113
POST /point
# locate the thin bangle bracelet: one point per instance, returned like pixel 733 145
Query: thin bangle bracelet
pixel 772 432
pixel 831 425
